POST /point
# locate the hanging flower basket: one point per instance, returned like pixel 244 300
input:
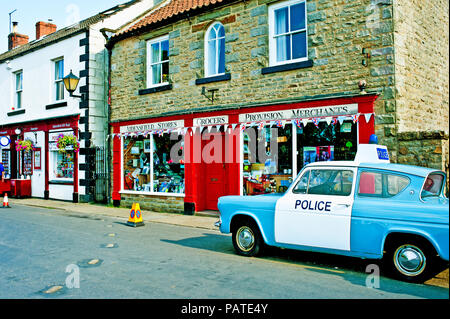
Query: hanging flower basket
pixel 25 145
pixel 67 143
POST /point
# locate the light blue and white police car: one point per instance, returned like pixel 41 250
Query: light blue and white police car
pixel 366 208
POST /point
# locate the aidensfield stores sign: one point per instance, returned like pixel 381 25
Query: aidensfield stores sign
pixel 323 111
pixel 152 126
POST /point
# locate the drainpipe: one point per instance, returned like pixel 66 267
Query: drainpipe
pixel 105 33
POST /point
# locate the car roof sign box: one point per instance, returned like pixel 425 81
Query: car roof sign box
pixel 372 153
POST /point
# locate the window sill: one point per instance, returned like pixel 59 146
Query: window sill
pixel 287 67
pixel 61 182
pixel 152 193
pixel 55 105
pixel 17 112
pixel 217 78
pixel 155 89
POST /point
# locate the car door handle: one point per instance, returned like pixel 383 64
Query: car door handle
pixel 345 205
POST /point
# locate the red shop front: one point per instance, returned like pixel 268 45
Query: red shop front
pixel 212 154
pixel 31 173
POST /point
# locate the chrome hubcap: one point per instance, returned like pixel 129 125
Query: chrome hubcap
pixel 245 238
pixel 409 260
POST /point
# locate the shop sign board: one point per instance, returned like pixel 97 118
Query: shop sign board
pixel 53 137
pixel 214 120
pixel 323 111
pixel 152 126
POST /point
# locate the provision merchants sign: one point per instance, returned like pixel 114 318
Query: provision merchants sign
pixel 324 111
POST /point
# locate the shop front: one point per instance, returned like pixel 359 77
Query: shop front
pixel 199 157
pixel 35 165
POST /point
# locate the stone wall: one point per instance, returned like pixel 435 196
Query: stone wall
pixel 428 149
pixel 165 204
pixel 421 61
pixel 337 33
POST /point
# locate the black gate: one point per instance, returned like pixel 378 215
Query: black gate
pixel 101 175
pixel 97 174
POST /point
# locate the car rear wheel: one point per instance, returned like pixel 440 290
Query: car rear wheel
pixel 247 239
pixel 411 260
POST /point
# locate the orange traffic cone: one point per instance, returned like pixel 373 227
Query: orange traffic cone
pixel 135 216
pixel 5 201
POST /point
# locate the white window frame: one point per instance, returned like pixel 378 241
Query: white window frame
pixel 272 40
pixel 58 82
pixel 217 39
pixel 152 192
pixel 150 64
pixel 18 91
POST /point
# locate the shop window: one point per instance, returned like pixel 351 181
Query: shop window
pixel 267 162
pixel 158 62
pixel 154 164
pixel 215 50
pixel 168 172
pixel 334 142
pixel 62 166
pixel 287 32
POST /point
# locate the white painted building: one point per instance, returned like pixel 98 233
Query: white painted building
pixel 35 106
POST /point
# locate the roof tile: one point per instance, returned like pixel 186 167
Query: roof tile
pixel 171 9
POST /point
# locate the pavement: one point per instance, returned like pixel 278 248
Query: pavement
pixel 205 221
pixel 199 220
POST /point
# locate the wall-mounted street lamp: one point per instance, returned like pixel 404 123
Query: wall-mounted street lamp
pixel 71 83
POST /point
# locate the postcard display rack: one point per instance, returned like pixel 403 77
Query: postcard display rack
pixel 5 161
pixel 27 163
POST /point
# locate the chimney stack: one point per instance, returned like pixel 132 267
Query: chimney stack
pixel 44 28
pixel 15 39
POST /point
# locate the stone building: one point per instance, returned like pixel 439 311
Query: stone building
pixel 323 75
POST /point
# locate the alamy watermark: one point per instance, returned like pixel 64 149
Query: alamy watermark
pixel 73 279
pixel 210 147
pixel 373 279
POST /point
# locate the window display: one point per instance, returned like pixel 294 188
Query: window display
pixel 149 166
pixel 266 170
pixel 311 143
pixel 63 165
pixel 336 142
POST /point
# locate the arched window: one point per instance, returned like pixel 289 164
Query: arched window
pixel 215 50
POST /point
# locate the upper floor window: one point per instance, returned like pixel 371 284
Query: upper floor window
pixel 287 32
pixel 59 84
pixel 215 50
pixel 158 61
pixel 19 87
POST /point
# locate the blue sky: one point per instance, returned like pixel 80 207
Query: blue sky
pixel 62 12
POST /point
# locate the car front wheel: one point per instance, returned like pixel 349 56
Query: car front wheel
pixel 247 240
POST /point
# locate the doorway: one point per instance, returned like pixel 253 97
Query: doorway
pixel 214 168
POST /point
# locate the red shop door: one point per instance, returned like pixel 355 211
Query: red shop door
pixel 215 171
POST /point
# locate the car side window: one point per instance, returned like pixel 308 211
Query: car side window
pixel 432 185
pixel 302 185
pixel 383 185
pixel 396 184
pixel 370 184
pixel 330 182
